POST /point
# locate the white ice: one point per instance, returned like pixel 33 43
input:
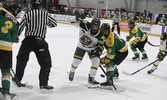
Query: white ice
pixel 62 42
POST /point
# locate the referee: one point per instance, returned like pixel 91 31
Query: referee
pixel 35 23
pixel 116 21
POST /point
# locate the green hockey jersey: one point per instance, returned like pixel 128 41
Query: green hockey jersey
pixel 114 43
pixel 9 28
pixel 139 35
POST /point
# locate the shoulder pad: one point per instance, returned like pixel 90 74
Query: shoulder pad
pixel 135 30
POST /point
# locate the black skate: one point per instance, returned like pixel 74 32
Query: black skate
pixel 7 95
pixel 136 58
pixel 108 84
pixel 46 87
pixel 152 70
pixel 71 75
pixel 144 58
pixel 92 83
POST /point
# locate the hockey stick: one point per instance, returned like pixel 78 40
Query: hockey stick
pixel 152 44
pixel 17 82
pixel 126 73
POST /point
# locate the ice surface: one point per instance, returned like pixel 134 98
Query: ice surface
pixel 62 42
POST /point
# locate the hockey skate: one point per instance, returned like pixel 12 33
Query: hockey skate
pixel 7 95
pixel 46 87
pixel 108 84
pixel 92 83
pixel 145 58
pixel 152 69
pixel 71 75
pixel 136 58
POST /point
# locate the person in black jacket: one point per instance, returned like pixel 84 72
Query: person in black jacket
pixel 35 22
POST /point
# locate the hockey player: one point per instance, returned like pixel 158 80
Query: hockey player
pixel 117 51
pixel 162 52
pixel 91 40
pixel 139 41
pixel 8 34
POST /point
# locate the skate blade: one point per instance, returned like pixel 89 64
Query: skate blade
pixel 144 59
pixel 106 87
pixel 93 86
pixel 45 91
pixel 136 59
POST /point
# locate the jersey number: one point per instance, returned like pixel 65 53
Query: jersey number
pixel 8 25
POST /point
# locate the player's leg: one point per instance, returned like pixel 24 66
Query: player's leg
pixel 78 56
pixel 142 50
pixel 119 58
pixel 95 60
pixel 5 65
pixel 155 66
pixel 136 53
pixel 110 71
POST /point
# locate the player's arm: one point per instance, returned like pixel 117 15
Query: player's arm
pixel 51 21
pixel 22 25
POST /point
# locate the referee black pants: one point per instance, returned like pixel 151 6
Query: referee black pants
pixel 40 48
pixel 118 28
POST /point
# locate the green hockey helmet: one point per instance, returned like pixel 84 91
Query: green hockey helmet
pixel 95 24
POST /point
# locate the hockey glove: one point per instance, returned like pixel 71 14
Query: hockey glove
pixel 17 40
pixel 128 37
pixel 104 61
pixel 161 56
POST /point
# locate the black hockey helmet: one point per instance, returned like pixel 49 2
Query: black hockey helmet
pixel 15 8
pixel 105 26
pixel 95 21
pixel 35 4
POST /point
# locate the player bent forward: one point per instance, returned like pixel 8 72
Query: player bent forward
pixel 91 40
pixel 139 41
pixel 117 51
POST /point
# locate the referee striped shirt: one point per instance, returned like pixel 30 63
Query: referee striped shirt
pixel 36 22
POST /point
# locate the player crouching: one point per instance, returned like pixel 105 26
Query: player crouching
pixel 117 51
pixel 139 41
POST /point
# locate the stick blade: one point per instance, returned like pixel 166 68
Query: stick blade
pixel 126 73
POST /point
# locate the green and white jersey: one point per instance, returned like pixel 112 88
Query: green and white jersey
pixel 127 18
pixel 114 43
pixel 8 29
pixel 162 21
pixel 88 41
pixel 163 42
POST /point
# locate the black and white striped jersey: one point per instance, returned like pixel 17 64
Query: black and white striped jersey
pixel 35 23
